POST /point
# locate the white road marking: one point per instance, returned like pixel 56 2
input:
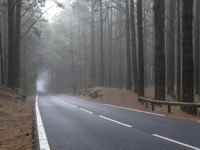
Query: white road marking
pixel 177 142
pixel 43 142
pixel 74 106
pixel 64 102
pixel 86 110
pixel 109 119
pixel 136 110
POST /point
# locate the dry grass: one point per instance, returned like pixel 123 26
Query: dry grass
pixel 129 99
pixel 15 123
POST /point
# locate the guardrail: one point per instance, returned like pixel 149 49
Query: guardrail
pixel 168 103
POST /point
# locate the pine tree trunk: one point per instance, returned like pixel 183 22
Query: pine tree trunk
pixel 18 41
pixel 196 45
pixel 128 48
pixel 101 45
pixel 134 49
pixel 11 45
pixel 93 62
pixel 140 48
pixel 159 21
pixel 178 84
pixel 110 48
pixel 170 48
pixel 120 50
pixel 187 58
pixel 1 57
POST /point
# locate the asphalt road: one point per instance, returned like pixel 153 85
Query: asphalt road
pixel 75 124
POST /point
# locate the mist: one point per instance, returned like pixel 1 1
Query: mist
pixel 42 82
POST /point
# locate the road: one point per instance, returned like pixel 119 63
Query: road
pixel 76 124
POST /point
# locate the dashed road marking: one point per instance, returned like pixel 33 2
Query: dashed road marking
pixel 43 142
pixel 136 110
pixel 86 110
pixel 115 121
pixel 177 142
pixel 74 106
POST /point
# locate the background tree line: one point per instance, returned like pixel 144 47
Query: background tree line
pixel 137 45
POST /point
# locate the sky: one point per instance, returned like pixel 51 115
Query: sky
pixel 54 10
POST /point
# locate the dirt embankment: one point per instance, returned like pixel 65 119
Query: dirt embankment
pixel 15 120
pixel 125 98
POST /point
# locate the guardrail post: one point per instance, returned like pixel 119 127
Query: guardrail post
pixel 146 104
pixel 169 108
pixel 152 106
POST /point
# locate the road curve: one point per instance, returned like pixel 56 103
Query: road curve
pixel 76 124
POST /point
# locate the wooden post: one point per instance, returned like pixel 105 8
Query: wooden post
pixel 146 104
pixel 169 108
pixel 152 106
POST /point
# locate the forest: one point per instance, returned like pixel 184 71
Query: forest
pixel 138 45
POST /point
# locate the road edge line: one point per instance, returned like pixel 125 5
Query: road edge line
pixel 136 110
pixel 177 142
pixel 42 138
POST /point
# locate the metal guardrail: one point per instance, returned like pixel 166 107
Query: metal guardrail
pixel 168 103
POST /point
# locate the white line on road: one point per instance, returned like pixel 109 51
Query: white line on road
pixel 86 110
pixel 73 106
pixel 64 102
pixel 43 142
pixel 177 142
pixel 136 110
pixel 109 119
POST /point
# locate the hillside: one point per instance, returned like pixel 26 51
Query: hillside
pixel 125 98
pixel 15 121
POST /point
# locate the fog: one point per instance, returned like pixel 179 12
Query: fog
pixel 42 82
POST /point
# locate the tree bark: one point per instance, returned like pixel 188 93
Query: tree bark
pixel 128 49
pixel 93 63
pixel 187 55
pixel 11 46
pixel 140 48
pixel 1 57
pixel 170 48
pixel 178 84
pixel 18 42
pixel 110 47
pixel 196 45
pixel 159 22
pixel 134 47
pixel 101 45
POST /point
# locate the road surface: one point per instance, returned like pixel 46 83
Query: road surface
pixel 75 124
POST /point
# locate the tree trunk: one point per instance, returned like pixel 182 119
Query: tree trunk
pixel 93 62
pixel 120 50
pixel 196 45
pixel 11 46
pixel 134 47
pixel 1 57
pixel 159 21
pixel 110 49
pixel 178 84
pixel 101 45
pixel 18 41
pixel 80 58
pixel 187 58
pixel 128 53
pixel 170 48
pixel 140 48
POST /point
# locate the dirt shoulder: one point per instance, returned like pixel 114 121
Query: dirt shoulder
pixel 124 98
pixel 15 121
